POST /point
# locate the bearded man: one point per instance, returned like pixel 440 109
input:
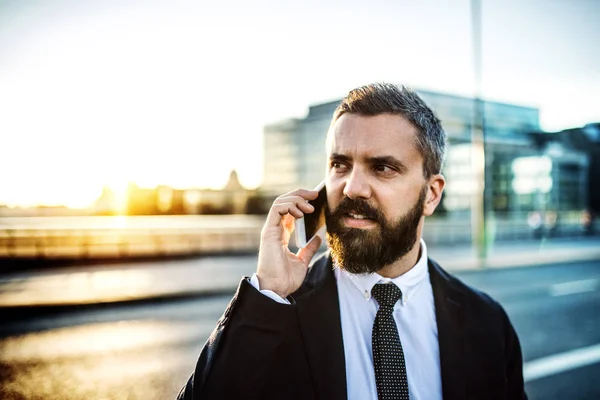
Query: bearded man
pixel 374 317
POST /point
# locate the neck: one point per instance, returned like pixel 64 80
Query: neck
pixel 403 264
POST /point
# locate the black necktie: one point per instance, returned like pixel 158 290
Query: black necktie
pixel 388 357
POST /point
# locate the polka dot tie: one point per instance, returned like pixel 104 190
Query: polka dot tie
pixel 388 357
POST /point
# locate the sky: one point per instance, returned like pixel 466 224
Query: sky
pixel 102 93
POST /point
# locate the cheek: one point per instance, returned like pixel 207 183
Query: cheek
pixel 333 199
pixel 335 193
pixel 396 203
pixel 393 211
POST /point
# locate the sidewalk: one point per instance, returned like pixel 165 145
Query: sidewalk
pixel 519 253
pixel 112 283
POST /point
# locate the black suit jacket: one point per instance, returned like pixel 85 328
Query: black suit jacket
pixel 261 349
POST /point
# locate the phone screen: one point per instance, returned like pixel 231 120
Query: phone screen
pixel 314 221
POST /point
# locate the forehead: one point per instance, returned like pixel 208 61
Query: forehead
pixel 372 136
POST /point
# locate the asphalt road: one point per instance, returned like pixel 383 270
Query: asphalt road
pixel 147 350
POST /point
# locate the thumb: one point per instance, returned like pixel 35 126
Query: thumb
pixel 307 252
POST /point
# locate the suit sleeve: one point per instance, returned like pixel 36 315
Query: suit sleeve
pixel 236 357
pixel 514 363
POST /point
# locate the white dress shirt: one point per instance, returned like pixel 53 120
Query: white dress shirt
pixel 415 319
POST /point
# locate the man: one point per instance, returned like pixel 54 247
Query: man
pixel 374 317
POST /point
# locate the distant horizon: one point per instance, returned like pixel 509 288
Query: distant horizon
pixel 101 190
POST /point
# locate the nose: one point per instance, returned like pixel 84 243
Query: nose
pixel 357 186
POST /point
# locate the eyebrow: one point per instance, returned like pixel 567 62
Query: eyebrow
pixel 339 157
pixel 390 160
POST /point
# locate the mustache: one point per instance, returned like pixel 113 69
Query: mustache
pixel 357 206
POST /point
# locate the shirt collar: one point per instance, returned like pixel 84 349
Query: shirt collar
pixel 408 283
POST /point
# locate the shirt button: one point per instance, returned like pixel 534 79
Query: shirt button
pixel 367 295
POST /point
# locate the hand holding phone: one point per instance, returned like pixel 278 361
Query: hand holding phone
pixel 279 269
pixel 309 225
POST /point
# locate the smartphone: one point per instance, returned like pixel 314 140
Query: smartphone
pixel 309 225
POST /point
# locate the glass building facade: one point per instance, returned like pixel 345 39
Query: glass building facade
pixel 523 176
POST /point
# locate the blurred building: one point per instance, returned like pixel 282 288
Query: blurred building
pixel 529 171
pixel 232 199
pixel 295 148
pixel 585 140
pixel 165 200
pixel 107 203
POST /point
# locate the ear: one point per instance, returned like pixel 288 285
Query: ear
pixel 435 187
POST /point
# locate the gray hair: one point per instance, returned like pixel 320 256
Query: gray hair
pixel 379 98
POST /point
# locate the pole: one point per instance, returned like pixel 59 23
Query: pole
pixel 479 221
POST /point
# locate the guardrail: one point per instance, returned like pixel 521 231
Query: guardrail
pixel 126 237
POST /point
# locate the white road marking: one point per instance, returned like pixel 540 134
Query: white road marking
pixel 582 286
pixel 562 362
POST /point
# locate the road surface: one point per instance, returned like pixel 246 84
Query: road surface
pixel 147 350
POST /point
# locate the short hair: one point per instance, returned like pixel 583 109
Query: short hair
pixel 380 98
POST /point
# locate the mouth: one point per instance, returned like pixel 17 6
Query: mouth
pixel 358 216
pixel 355 220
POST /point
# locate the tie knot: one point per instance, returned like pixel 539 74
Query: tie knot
pixel 386 294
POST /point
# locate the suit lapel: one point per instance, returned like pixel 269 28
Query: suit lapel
pixel 449 310
pixel 319 315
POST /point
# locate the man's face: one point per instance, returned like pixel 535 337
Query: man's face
pixel 376 191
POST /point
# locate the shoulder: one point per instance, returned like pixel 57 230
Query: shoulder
pixel 474 299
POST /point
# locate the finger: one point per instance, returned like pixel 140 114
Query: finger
pixel 307 252
pixel 300 202
pixel 279 210
pixel 288 208
pixel 304 193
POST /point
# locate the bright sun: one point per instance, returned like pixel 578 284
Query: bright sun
pixel 114 113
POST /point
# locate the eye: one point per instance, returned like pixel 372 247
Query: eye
pixel 338 166
pixel 384 169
